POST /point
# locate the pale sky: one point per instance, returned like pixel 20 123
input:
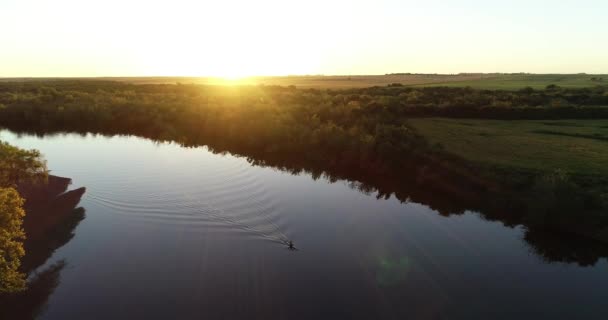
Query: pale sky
pixel 233 38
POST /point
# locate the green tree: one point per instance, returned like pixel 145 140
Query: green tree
pixel 18 165
pixel 11 240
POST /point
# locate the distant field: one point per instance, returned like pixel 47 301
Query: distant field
pixel 576 146
pixel 337 82
pixel 540 81
pixel 331 82
pixel 481 81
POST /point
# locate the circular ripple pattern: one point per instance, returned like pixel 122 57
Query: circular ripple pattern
pixel 225 193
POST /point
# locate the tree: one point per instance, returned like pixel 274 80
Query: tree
pixel 11 240
pixel 18 165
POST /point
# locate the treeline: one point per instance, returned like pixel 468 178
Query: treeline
pixel 365 122
pixel 552 103
pixel 273 119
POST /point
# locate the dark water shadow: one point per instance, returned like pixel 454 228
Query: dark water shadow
pixel 553 247
pixel 52 216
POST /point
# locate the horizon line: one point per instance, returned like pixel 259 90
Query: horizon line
pixel 300 75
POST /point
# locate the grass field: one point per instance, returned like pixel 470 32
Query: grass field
pixel 537 81
pixel 480 81
pixel 575 146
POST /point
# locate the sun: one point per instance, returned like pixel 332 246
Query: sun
pixel 231 74
pixel 232 77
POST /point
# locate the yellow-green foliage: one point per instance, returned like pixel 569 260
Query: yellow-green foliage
pixel 18 165
pixel 11 240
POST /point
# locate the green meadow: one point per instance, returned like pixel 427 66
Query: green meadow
pixel 578 147
pixel 535 81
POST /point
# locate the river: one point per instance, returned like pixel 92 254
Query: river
pixel 184 233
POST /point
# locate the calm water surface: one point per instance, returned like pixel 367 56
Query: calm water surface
pixel 182 233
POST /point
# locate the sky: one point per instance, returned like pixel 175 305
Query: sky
pixel 236 38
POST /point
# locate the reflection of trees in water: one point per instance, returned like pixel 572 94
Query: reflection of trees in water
pixel 557 247
pixel 454 190
pixel 29 304
pixel 51 218
pixel 448 195
pixel 444 188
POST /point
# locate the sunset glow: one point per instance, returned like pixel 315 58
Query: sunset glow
pixel 236 38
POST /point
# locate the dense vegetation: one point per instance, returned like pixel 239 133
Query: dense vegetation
pixel 16 166
pixel 361 135
pixel 11 240
pixel 95 103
